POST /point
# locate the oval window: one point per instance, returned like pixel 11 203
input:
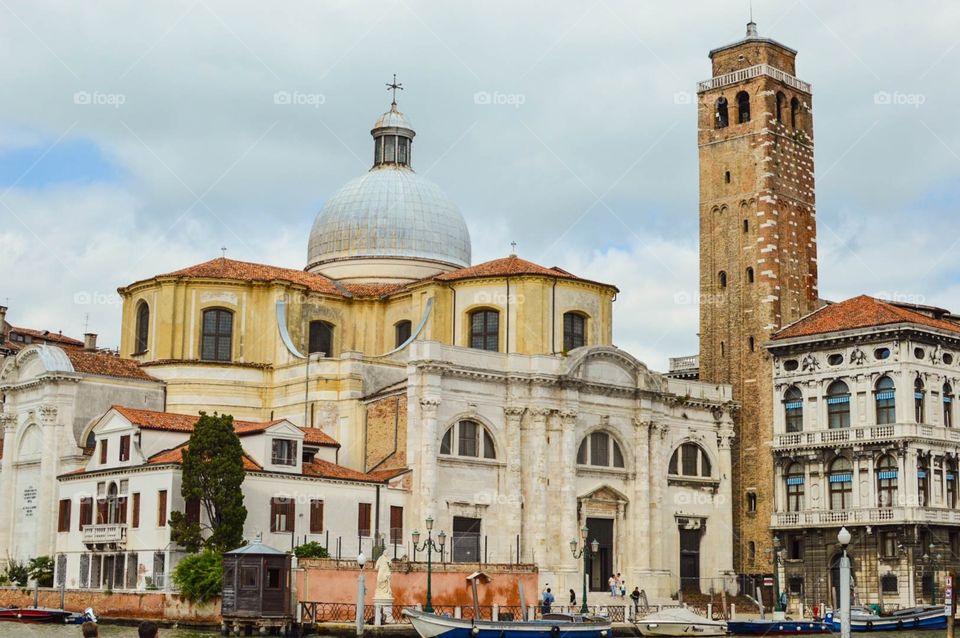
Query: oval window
pixel 790 365
pixel 835 359
pixel 881 353
pixel 947 358
pixel 918 353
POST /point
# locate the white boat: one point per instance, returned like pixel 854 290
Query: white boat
pixel 679 621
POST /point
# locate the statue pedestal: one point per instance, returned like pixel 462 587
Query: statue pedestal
pixel 384 611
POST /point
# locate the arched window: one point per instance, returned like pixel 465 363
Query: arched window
pixel 743 107
pixel 781 103
pixel 143 328
pixel 947 405
pixel 749 274
pixel 951 483
pixel 923 481
pixel 722 278
pixel 574 330
pixel 402 331
pixel 919 396
pixel 793 409
pixel 887 469
pixel 689 460
pixel 841 484
pixel 723 119
pixel 794 112
pixel 838 405
pixel 321 338
pixel 751 552
pixel 885 397
pixel 485 330
pixel 468 438
pixel 600 449
pixel 794 479
pixel 216 335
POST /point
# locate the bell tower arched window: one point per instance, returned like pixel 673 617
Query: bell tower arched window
pixel 321 338
pixel 143 328
pixel 743 107
pixel 781 104
pixel 794 112
pixel 721 114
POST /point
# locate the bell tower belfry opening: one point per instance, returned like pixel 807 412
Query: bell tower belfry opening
pixel 758 253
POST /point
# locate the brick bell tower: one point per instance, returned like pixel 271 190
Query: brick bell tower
pixel 758 254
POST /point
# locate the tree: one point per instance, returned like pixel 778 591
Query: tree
pixel 213 475
pixel 40 569
pixel 16 573
pixel 199 577
pixel 313 549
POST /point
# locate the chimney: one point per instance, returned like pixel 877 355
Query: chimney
pixel 89 341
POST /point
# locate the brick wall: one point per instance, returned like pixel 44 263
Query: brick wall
pixel 387 432
pixel 120 605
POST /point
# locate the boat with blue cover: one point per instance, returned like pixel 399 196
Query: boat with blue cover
pixel 551 626
pixel 773 627
pixel 864 619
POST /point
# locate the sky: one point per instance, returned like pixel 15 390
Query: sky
pixel 140 138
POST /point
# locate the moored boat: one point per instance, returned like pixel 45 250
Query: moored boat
pixel 680 622
pixel 35 614
pixel 862 619
pixel 771 627
pixel 566 626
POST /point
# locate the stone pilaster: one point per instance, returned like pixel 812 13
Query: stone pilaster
pixel 658 477
pixel 429 452
pixel 514 487
pixel 641 509
pixel 568 510
pixel 8 424
pixel 49 465
pixel 536 495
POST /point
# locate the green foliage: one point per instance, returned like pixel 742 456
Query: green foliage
pixel 16 573
pixel 213 473
pixel 313 549
pixel 199 577
pixel 40 569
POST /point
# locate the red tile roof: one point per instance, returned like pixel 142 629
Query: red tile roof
pixel 175 455
pixel 860 312
pixel 171 422
pixel 105 364
pixel 221 268
pixel 326 469
pixel 48 336
pixel 511 265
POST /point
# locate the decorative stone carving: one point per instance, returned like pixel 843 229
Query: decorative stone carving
pixel 48 414
pixel 8 420
pixel 858 356
pixel 513 412
pixel 810 363
pixel 937 355
pixel 430 405
pixel 384 574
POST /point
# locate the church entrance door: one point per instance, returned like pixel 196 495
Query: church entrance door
pixel 601 563
pixel 690 560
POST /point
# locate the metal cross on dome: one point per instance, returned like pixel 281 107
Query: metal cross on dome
pixel 393 86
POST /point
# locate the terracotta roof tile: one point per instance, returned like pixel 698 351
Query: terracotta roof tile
pixel 171 422
pixel 860 312
pixel 326 469
pixel 48 336
pixel 221 268
pixel 105 364
pixel 511 265
pixel 373 289
pixel 175 455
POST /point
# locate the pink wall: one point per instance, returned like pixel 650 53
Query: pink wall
pixel 326 580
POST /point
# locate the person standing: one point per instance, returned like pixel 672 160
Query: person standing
pixel 612 584
pixel 546 602
pixel 635 597
pixel 573 598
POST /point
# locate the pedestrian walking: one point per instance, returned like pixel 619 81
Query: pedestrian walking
pixel 635 597
pixel 573 598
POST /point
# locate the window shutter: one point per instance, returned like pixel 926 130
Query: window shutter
pixel 162 508
pixel 291 514
pixel 396 524
pixel 316 517
pixel 135 515
pixel 86 512
pixel 63 521
pixel 102 511
pixel 103 452
pixel 273 514
pixel 363 520
pixel 125 447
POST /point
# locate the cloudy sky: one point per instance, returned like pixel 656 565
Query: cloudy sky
pixel 138 138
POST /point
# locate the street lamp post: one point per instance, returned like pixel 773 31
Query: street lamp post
pixel 594 546
pixel 844 538
pixel 361 594
pixel 429 544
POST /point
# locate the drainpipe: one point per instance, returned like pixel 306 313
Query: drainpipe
pixel 507 330
pixel 553 318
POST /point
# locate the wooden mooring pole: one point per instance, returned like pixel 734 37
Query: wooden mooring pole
pixel 951 604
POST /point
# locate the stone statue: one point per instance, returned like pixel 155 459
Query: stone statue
pixel 383 578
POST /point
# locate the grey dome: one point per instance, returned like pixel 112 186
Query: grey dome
pixel 390 211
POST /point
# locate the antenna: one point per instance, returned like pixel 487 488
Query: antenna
pixel 751 10
pixel 86 322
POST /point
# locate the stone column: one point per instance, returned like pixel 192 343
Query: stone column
pixel 855 493
pixel 568 510
pixel 49 465
pixel 428 458
pixel 910 478
pixel 620 541
pixel 535 468
pixel 724 445
pixel 8 423
pixel 514 486
pixel 658 478
pixel 641 508
pixel 872 483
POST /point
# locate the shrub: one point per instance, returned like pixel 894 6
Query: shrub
pixel 40 569
pixel 313 549
pixel 199 577
pixel 16 573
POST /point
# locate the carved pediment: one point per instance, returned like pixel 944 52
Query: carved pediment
pixel 607 365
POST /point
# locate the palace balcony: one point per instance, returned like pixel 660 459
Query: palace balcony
pixel 864 516
pixel 865 434
pixel 114 534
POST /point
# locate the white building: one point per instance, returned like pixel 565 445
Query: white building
pixel 112 527
pixel 866 437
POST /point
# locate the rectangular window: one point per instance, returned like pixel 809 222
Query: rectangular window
pixel 192 510
pixel 63 517
pixel 396 524
pixel 162 508
pixel 121 514
pixel 86 512
pixel 795 547
pixel 249 577
pixel 316 516
pixel 273 578
pixel 217 335
pixel 282 511
pixel 888 545
pixel 795 585
pixel 284 452
pixel 888 583
pixel 574 329
pixel 135 515
pixel 485 330
pixel 689 460
pixel 125 447
pixel 103 451
pixel 468 439
pixel 363 519
pixel 465 542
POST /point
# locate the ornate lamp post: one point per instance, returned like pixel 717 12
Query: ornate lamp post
pixel 844 538
pixel 429 544
pixel 361 594
pixel 594 547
